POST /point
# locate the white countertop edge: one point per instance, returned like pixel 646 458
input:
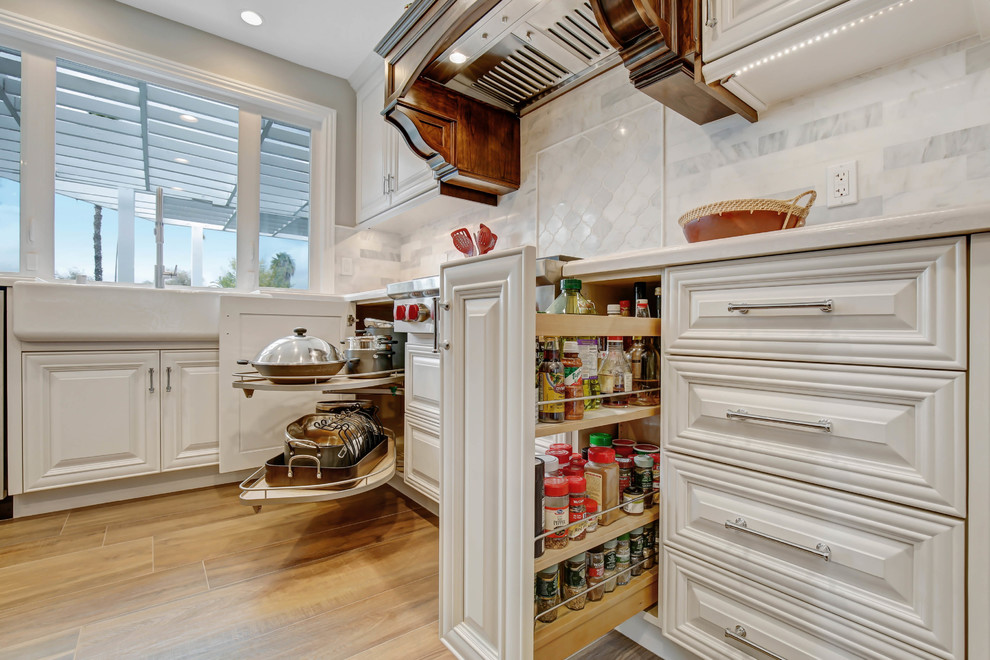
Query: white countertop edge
pixel 375 295
pixel 848 233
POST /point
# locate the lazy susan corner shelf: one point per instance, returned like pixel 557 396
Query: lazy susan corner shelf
pixel 249 381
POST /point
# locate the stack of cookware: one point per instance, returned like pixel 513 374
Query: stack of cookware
pixel 342 441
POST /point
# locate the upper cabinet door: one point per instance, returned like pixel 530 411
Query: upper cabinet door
pixel 252 430
pixel 487 475
pixel 190 410
pixel 728 25
pixel 372 156
pixel 89 416
pixel 411 176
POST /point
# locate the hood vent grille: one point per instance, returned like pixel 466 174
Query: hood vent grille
pixel 578 31
pixel 522 75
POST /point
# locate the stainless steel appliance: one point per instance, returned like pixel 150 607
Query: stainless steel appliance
pixel 414 308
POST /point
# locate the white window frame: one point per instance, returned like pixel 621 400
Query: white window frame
pixel 40 44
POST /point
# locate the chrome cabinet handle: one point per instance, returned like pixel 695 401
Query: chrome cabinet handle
pixel 739 635
pixel 391 183
pixel 743 308
pixel 436 325
pixel 168 379
pixel 822 424
pixel 821 549
pixel 151 380
pixel 712 21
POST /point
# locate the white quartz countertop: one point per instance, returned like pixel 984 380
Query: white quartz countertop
pixel 888 229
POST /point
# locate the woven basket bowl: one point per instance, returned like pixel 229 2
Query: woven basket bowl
pixel 738 217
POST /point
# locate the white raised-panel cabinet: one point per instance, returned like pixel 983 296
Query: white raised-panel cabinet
pixel 373 197
pixel 190 409
pixel 422 382
pixel 389 173
pixel 728 25
pixel 422 420
pixel 486 507
pixel 89 416
pixel 422 457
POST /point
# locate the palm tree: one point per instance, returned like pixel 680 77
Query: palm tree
pixel 97 243
pixel 282 268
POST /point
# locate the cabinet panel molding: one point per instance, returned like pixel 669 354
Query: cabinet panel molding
pixel 190 409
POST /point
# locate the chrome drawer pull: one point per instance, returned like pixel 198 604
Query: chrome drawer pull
pixel 821 425
pixel 739 634
pixel 743 308
pixel 821 549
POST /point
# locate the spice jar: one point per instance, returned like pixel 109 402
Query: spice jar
pixel 646 448
pixel 551 466
pixel 548 593
pixel 591 510
pixel 556 505
pixel 576 486
pixel 551 385
pixel 625 464
pixel 612 309
pixel 562 453
pixel 576 467
pixel 575 581
pixel 596 573
pixel 600 439
pixel 602 476
pixel 644 476
pixel 622 557
pixel 573 382
pixel 648 541
pixel 609 556
pixel 625 308
pixel 624 447
pixel 632 500
pixel 636 551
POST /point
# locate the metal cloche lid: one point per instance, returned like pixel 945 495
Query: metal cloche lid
pixel 298 349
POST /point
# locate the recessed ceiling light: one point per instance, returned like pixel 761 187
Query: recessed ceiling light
pixel 458 58
pixel 188 118
pixel 182 160
pixel 252 17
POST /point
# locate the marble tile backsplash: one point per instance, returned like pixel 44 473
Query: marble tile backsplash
pixel 606 169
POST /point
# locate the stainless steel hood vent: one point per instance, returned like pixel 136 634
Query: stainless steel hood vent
pixel 525 52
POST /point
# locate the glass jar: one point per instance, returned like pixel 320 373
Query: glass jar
pixel 562 452
pixel 610 558
pixel 636 551
pixel 556 511
pixel 648 541
pixel 571 300
pixel 615 375
pixel 588 352
pixel 573 382
pixel 625 308
pixel 551 385
pixel 625 464
pixel 645 374
pixel 548 593
pixel 602 477
pixel 575 581
pixel 632 500
pixel 576 466
pixel 622 557
pixel 590 511
pixel 596 573
pixel 551 466
pixel 577 488
pixel 600 439
pixel 643 306
pixel 613 310
pixel 624 447
pixel 643 478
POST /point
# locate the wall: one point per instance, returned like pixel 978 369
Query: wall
pixel 132 28
pixel 375 259
pixel 606 169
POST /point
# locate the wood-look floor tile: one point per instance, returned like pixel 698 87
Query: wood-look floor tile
pixel 130 511
pixel 420 644
pixel 59 613
pixel 614 646
pixel 65 574
pixel 21 530
pixel 293 552
pixel 51 546
pixel 280 524
pixel 181 520
pixel 346 630
pixel 52 646
pixel 255 607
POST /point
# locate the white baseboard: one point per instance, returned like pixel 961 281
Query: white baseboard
pixel 73 497
pixel 643 630
pixel 399 483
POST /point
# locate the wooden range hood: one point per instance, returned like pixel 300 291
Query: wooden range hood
pixel 471 139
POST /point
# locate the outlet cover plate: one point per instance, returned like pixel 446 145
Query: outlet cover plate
pixel 841 185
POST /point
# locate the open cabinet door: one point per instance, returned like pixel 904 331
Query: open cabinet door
pixel 252 430
pixel 487 476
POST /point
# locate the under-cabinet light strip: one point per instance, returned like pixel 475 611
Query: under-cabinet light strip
pixel 821 37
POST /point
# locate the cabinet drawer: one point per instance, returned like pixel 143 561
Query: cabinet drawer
pixel 893 568
pixel 895 434
pixel 423 381
pixel 900 305
pixel 421 460
pixel 702 602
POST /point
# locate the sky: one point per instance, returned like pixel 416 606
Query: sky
pixel 74 243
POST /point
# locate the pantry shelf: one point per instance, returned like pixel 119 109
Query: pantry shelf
pixel 587 325
pixel 595 418
pixel 575 629
pixel 624 524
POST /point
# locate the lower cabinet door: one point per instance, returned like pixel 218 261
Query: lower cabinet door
pixel 721 616
pixel 89 416
pixel 422 457
pixel 190 409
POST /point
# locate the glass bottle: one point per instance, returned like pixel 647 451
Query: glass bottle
pixel 577 488
pixel 636 551
pixel 643 308
pixel 615 375
pixel 571 300
pixel 539 376
pixel 658 292
pixel 588 352
pixel 596 572
pixel 622 557
pixel 575 581
pixel 551 384
pixel 610 547
pixel 548 593
pixel 573 381
pixel 556 509
pixel 644 362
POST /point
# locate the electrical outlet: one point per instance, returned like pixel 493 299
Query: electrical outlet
pixel 840 187
pixel 346 266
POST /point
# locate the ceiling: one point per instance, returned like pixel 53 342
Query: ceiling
pixel 332 36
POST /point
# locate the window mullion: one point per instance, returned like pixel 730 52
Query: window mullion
pixel 248 199
pixel 37 212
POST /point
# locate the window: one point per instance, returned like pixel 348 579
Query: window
pixel 117 141
pixel 10 160
pixel 285 176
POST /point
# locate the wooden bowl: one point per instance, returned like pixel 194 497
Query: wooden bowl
pixel 738 217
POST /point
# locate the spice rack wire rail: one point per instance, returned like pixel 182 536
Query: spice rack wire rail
pixel 588 325
pixel 594 418
pixel 605 533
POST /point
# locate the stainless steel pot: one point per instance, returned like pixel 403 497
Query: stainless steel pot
pixel 287 359
pixel 336 439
